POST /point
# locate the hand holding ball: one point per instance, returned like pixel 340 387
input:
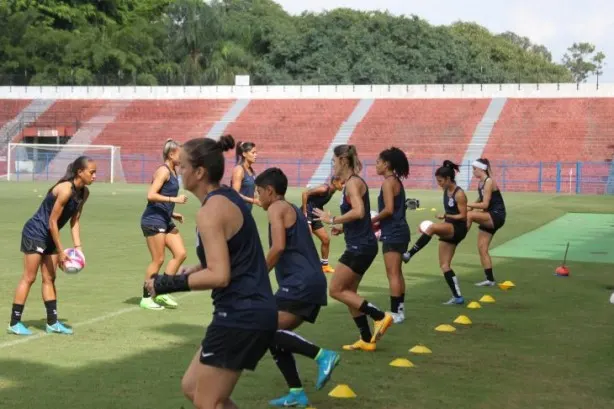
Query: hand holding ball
pixel 375 226
pixel 75 261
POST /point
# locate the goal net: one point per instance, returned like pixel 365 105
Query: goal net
pixel 41 162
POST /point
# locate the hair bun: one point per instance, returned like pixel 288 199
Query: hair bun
pixel 226 142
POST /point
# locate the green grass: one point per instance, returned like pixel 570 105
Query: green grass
pixel 546 344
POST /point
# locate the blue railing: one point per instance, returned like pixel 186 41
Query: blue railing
pixel 555 177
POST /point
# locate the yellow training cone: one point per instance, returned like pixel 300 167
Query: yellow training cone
pixel 342 391
pixel 401 363
pixel 462 319
pixel 420 349
pixel 445 328
pixel 433 210
pixel 487 298
pixel 473 305
pixel 506 285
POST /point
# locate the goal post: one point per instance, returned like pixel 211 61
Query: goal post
pixel 41 161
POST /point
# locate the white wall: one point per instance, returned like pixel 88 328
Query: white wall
pixel 314 92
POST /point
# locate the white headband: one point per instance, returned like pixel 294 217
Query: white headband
pixel 479 165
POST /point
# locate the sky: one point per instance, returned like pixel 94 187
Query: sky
pixel 557 24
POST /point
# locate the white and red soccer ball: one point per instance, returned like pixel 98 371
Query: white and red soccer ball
pixel 376 226
pixel 75 261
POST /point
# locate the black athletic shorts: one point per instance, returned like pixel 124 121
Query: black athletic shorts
pixel 498 220
pixel 34 246
pixel 460 232
pixel 315 224
pixel 234 348
pixel 307 311
pixel 395 247
pixel 153 229
pixel 357 262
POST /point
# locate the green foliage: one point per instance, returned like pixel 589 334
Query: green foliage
pixel 190 42
pixel 578 63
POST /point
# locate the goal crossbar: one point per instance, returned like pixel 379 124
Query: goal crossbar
pixel 68 147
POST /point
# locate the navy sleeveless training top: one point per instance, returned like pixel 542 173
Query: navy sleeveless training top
pixel 159 213
pixel 298 270
pixel 450 205
pixel 248 186
pixel 359 235
pixel 37 227
pixel 319 201
pixel 394 229
pixel 248 301
pixel 496 205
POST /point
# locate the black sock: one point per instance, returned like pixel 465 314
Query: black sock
pixel 16 313
pixel 452 283
pixel 287 365
pixel 295 344
pixel 396 304
pixel 372 311
pixel 145 293
pixel 363 326
pixel 52 311
pixel 489 275
pixel 423 240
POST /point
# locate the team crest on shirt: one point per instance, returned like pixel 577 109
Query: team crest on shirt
pixel 451 201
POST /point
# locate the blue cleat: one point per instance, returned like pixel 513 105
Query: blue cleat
pixel 327 361
pixel 19 329
pixel 295 399
pixel 455 300
pixel 58 328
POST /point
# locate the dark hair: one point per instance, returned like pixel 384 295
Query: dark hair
pixel 349 152
pixel 448 170
pixel 169 146
pixel 209 154
pixel 334 178
pixel 243 147
pixel 275 178
pixel 72 170
pixel 487 163
pixel 397 161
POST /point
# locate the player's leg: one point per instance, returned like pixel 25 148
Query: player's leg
pixel 396 281
pixel 482 218
pixel 320 232
pixel 156 245
pixel 31 262
pixel 48 270
pixel 484 240
pixel 446 253
pixel 442 230
pixel 174 242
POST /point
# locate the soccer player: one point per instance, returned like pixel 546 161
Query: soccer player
pixel 158 227
pixel 490 215
pixel 243 174
pixel 41 244
pixel 302 287
pixel 393 165
pixel 360 251
pixel 232 264
pixel 317 198
pixel 451 231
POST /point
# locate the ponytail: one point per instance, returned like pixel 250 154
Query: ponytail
pixel 448 170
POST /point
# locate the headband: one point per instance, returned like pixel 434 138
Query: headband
pixel 479 165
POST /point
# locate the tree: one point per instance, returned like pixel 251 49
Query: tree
pixel 598 61
pixel 578 63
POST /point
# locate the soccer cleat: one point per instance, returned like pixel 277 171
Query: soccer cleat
pixel 455 300
pixel 380 327
pixel 398 317
pixel 360 345
pixel 166 300
pixel 485 283
pixel 295 399
pixel 149 304
pixel 327 269
pixel 327 361
pixel 58 328
pixel 18 329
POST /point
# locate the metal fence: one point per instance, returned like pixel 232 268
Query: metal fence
pixel 553 177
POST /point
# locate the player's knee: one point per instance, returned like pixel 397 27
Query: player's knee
pixel 334 290
pixel 48 279
pixel 325 240
pixel 483 249
pixel 444 267
pixel 187 387
pixel 158 261
pixel 29 279
pixel 181 256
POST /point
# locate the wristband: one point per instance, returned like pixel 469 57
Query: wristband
pixel 165 283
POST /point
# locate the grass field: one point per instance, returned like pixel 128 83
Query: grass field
pixel 549 343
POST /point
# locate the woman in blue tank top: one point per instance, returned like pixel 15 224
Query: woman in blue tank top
pixel 451 231
pixel 157 224
pixel 243 175
pixel 489 214
pixel 41 244
pixel 360 248
pixel 302 286
pixel 233 266
pixel 393 165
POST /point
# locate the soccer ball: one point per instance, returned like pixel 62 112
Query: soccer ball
pixel 424 225
pixel 375 226
pixel 612 299
pixel 75 262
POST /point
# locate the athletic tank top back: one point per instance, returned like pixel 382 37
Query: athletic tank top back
pixel 496 205
pixel 319 201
